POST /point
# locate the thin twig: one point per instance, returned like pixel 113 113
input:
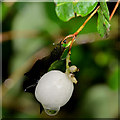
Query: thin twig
pixel 87 20
pixel 71 43
pixel 115 8
pixel 76 33
pixel 81 27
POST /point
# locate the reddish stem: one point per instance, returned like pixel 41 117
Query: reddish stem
pixel 115 8
pixel 76 33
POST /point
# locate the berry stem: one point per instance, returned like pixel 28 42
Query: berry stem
pixel 67 62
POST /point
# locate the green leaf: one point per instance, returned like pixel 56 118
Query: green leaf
pixel 84 8
pixel 61 63
pixel 58 65
pixel 105 10
pixel 102 24
pixel 107 24
pixel 64 54
pixel 66 10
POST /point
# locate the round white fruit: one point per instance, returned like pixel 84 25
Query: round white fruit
pixel 54 90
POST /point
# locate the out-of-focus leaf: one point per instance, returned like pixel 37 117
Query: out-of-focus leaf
pixel 105 9
pixel 102 59
pixel 4 10
pixel 100 102
pixel 0 12
pixel 29 24
pixel 27 20
pixel 103 25
pixel 67 10
pixel 113 79
pixel 42 66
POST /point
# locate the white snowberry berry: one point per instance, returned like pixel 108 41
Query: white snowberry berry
pixel 54 90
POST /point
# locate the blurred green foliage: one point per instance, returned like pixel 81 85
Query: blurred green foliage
pixel 36 26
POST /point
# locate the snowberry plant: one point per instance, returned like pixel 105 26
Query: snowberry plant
pixel 51 78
